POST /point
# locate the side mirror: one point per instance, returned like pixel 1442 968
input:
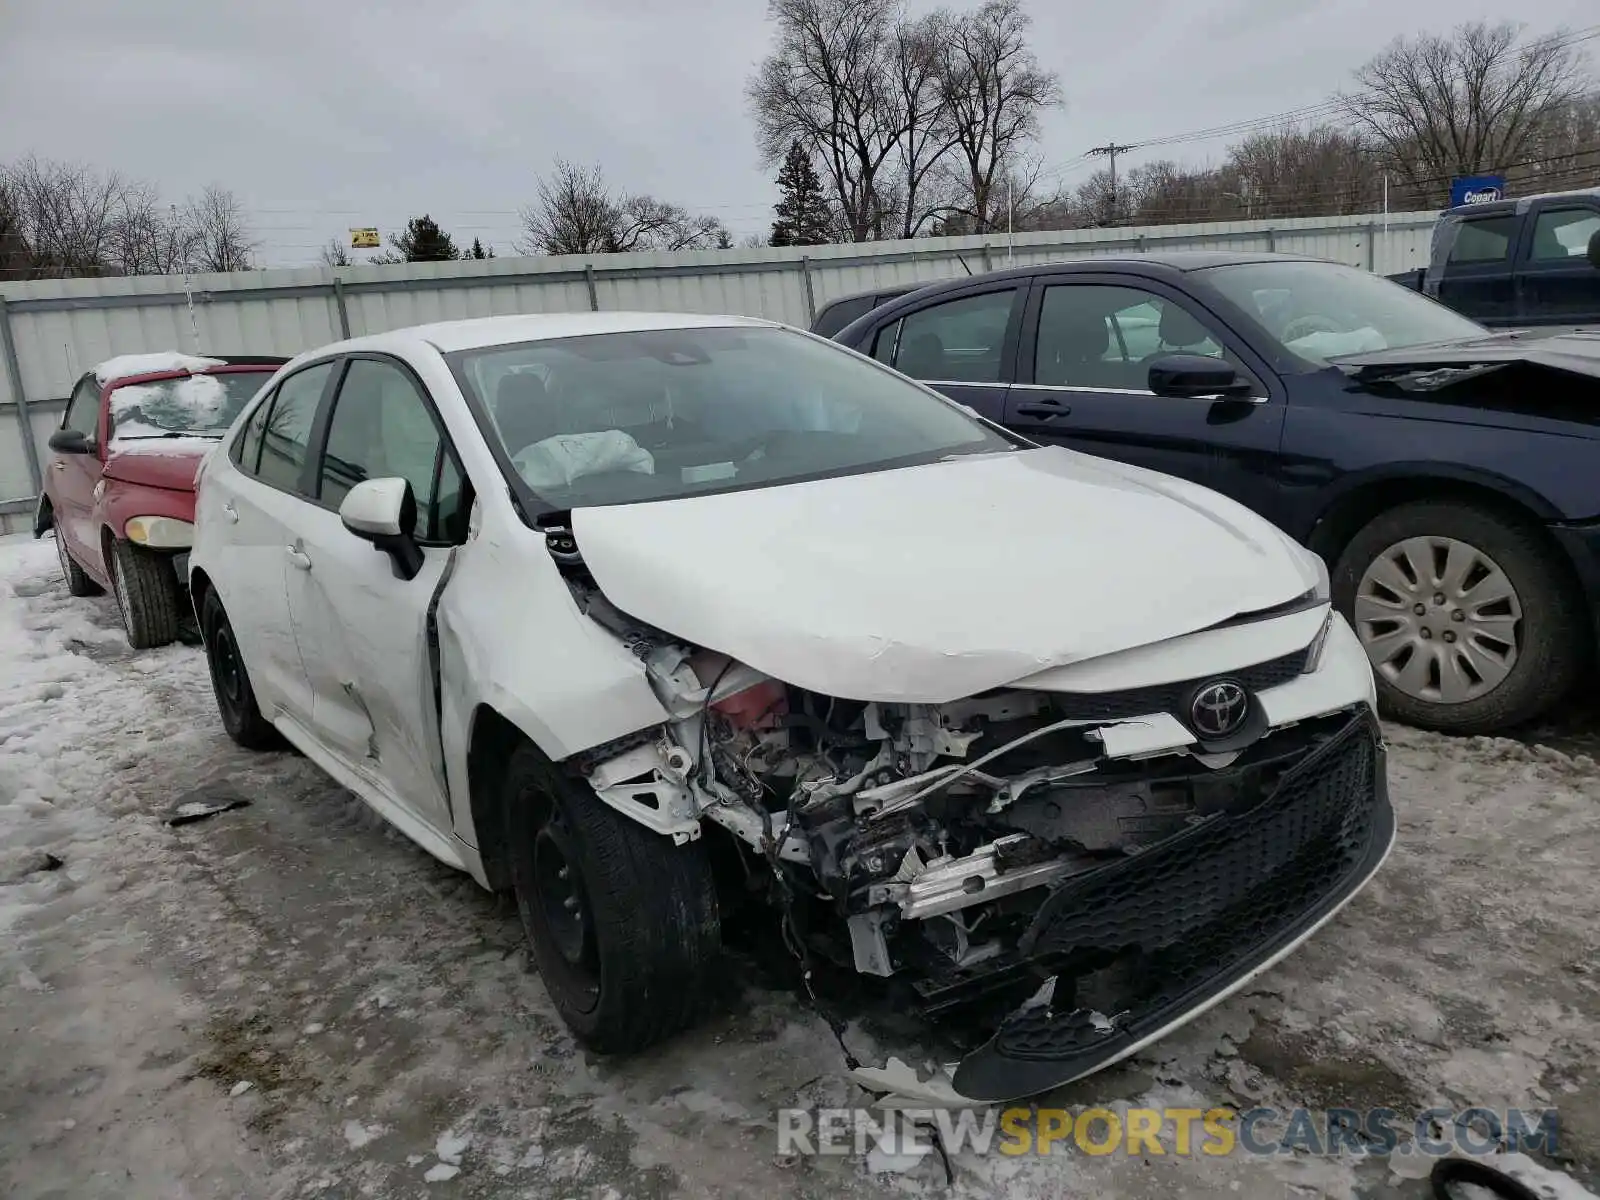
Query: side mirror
pixel 71 441
pixel 384 512
pixel 1594 250
pixel 1196 376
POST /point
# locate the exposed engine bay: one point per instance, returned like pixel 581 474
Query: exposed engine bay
pixel 937 846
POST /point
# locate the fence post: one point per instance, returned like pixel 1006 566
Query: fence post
pixel 811 295
pixel 344 313
pixel 30 450
pixel 1372 237
pixel 594 292
pixel 988 260
pixel 1272 240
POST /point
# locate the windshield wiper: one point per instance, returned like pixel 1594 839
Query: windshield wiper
pixel 171 433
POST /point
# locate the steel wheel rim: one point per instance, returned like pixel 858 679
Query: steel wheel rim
pixel 562 906
pixel 1440 620
pixel 228 670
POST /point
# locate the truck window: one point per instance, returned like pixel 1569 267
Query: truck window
pixel 1564 233
pixel 1487 239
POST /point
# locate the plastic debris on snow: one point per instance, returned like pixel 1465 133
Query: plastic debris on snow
pixel 905 1088
pixel 126 366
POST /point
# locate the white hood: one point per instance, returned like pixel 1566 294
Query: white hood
pixel 927 584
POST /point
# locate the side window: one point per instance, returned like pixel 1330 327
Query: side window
pixel 1564 234
pixel 959 341
pixel 1487 239
pixel 246 449
pixel 1100 336
pixel 286 434
pixel 83 409
pixel 383 427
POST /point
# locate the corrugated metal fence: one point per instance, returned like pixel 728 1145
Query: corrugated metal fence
pixel 53 330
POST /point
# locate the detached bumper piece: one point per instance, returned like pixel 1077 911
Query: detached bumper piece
pixel 1137 947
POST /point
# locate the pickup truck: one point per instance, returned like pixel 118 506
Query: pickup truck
pixel 1446 473
pixel 1523 262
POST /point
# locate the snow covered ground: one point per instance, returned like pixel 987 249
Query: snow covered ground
pixel 289 999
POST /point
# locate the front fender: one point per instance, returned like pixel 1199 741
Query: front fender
pixel 121 501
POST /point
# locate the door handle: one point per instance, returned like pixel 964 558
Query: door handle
pixel 298 558
pixel 232 513
pixel 1044 409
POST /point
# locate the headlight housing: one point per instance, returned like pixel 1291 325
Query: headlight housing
pixel 1323 593
pixel 159 533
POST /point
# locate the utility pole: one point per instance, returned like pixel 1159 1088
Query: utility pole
pixel 1111 150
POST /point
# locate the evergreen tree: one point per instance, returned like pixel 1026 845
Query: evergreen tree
pixel 803 217
pixel 478 250
pixel 424 241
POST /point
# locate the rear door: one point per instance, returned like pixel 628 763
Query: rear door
pixel 1476 277
pixel 72 477
pixel 1083 381
pixel 364 633
pixel 964 344
pixel 1557 284
pixel 255 505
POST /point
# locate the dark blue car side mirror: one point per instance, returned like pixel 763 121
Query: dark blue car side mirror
pixel 1196 376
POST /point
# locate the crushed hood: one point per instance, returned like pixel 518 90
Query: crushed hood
pixel 927 584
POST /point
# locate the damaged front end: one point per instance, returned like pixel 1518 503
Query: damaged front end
pixel 1078 871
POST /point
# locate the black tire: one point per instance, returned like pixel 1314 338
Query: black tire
pixel 236 699
pixel 146 590
pixel 1553 637
pixel 634 966
pixel 78 581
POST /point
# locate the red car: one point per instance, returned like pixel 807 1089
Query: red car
pixel 120 488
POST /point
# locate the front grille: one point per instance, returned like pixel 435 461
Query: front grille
pixel 1194 908
pixel 1173 697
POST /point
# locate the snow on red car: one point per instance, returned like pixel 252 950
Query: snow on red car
pixel 120 488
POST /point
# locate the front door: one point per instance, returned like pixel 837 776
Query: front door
pixel 1083 381
pixel 364 633
pixel 73 478
pixel 963 346
pixel 1557 284
pixel 256 503
pixel 1475 277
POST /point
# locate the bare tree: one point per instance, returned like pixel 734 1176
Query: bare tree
pixel 577 213
pixel 16 256
pixel 221 236
pixel 66 213
pixel 1321 171
pixel 830 84
pixel 149 237
pixel 1462 104
pixel 334 254
pixel 916 47
pixel 996 92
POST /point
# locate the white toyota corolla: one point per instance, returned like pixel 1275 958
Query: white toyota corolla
pixel 596 606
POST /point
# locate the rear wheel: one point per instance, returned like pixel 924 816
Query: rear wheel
pixel 1469 622
pixel 236 699
pixel 78 581
pixel 147 594
pixel 623 924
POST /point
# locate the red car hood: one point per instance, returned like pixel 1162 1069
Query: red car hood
pixel 158 462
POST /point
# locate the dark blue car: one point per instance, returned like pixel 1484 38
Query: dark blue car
pixel 1449 475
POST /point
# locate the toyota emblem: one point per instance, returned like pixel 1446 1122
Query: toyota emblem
pixel 1218 709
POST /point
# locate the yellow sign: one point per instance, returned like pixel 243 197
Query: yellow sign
pixel 364 239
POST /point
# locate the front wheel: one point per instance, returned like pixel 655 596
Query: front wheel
pixel 147 594
pixel 1467 617
pixel 622 924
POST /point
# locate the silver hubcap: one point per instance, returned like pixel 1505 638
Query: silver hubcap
pixel 61 553
pixel 121 586
pixel 1439 619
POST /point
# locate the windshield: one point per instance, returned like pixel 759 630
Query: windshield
pixel 193 405
pixel 1320 311
pixel 620 417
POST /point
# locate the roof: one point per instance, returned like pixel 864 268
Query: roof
pixel 473 333
pixel 173 362
pixel 1519 204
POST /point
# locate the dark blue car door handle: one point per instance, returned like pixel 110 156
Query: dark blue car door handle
pixel 1044 409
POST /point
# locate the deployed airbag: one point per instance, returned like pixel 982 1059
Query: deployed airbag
pixel 558 461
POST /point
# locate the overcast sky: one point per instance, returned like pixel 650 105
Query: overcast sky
pixel 323 114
